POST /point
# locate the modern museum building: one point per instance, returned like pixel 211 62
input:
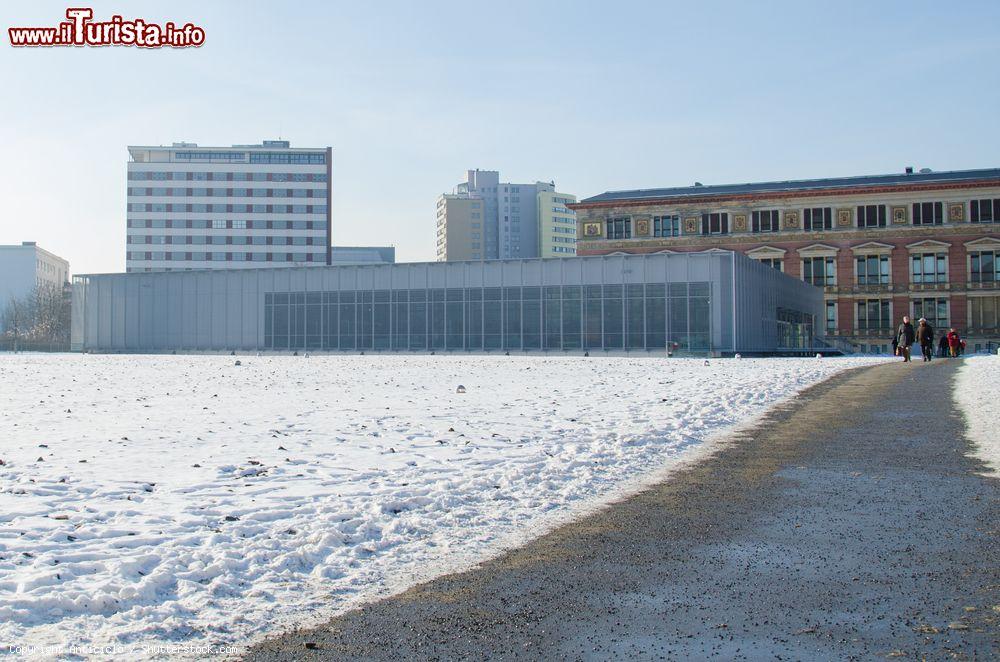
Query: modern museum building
pixel 707 303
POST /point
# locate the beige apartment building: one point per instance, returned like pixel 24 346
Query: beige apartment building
pixel 459 228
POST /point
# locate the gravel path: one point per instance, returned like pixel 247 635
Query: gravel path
pixel 849 524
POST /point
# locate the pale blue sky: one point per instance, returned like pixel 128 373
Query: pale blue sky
pixel 596 95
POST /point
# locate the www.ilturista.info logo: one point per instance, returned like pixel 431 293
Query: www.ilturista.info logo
pixel 80 30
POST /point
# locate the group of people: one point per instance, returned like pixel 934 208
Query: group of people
pixel 950 344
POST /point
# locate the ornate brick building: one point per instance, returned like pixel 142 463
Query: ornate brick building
pixel 925 244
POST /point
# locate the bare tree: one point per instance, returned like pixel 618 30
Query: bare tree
pixel 40 318
pixel 13 321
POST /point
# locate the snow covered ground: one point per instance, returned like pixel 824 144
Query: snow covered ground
pixel 184 499
pixel 977 391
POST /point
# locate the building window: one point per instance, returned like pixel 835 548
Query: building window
pixel 984 312
pixel 985 211
pixel 928 268
pixel 874 314
pixel 934 310
pixel 871 216
pixel 773 262
pixel 218 225
pixel 928 213
pixel 717 223
pixel 817 218
pixel 619 228
pixel 985 267
pixel 765 221
pixel 831 316
pixel 873 270
pixel 666 226
pixel 819 271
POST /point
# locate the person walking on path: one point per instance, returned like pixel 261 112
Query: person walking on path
pixel 954 342
pixel 943 346
pixel 925 336
pixel 905 335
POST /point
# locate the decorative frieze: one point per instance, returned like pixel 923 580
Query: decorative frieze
pixel 791 218
pixel 691 225
pixel 845 218
pixel 592 231
pixel 956 212
pixel 641 228
pixel 899 215
pixel 739 222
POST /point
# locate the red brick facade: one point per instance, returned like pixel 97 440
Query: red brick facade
pixel 954 237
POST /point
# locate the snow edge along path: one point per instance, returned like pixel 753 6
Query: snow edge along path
pixel 345 521
pixel 567 514
pixel 977 394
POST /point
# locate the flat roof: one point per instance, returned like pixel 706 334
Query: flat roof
pixel 437 264
pixel 898 179
pixel 190 147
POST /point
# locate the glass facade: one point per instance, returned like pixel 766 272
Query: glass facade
pixel 795 329
pixel 553 317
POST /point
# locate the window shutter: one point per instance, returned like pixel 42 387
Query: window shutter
pixel 704 224
pixel 724 224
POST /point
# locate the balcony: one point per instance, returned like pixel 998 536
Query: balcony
pixel 930 287
pixel 878 332
pixel 881 288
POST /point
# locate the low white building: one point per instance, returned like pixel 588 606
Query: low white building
pixel 26 266
pixel 713 302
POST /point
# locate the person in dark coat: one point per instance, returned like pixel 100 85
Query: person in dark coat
pixel 895 345
pixel 943 346
pixel 905 335
pixel 925 336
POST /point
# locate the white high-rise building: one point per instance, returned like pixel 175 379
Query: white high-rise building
pixel 192 207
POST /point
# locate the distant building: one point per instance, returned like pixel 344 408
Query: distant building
pixel 25 267
pixel 192 207
pixel 345 255
pixel 460 231
pixel 923 244
pixel 486 219
pixel 556 224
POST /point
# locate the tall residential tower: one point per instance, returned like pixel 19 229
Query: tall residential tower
pixel 486 219
pixel 192 207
